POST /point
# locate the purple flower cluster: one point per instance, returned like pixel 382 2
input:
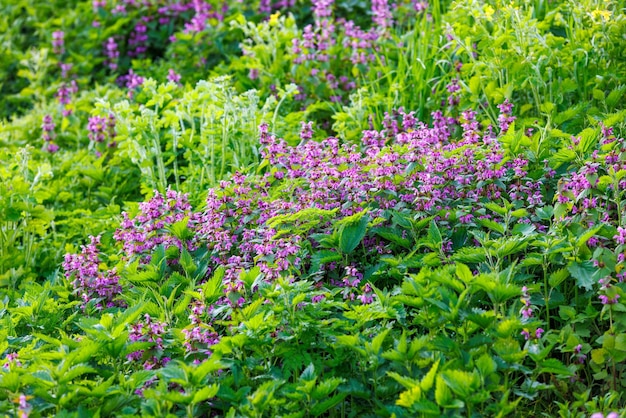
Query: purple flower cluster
pixel 428 170
pixel 89 281
pixel 142 234
pixel 148 331
pixel 64 96
pixel 138 41
pixel 11 360
pixel 111 53
pixel 505 119
pixel 131 81
pixel 58 42
pixel 48 134
pixel 199 335
pixel 203 11
pixel 101 128
pixel 527 308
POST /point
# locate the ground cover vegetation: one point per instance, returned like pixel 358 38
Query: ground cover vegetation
pixel 313 208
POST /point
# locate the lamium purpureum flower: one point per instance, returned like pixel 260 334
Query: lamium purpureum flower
pixel 527 308
pixel 11 360
pixel 111 53
pixel 505 119
pixel 620 238
pixel 48 134
pixel 173 76
pixel 58 42
pixel 601 415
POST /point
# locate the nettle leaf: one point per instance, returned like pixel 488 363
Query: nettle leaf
pixel 322 407
pixel 429 380
pixel 583 273
pixel 213 288
pixel 392 235
pixel 557 277
pixel 205 393
pixel 472 255
pixel 352 230
pixel 408 398
pixel 554 366
pixel 434 235
pixel 405 381
pixel 486 365
pixel 461 382
pixel 464 273
pixel 443 395
pixel 494 226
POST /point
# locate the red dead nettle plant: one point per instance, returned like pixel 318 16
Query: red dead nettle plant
pixel 279 222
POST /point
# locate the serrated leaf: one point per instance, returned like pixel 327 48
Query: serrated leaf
pixel 429 379
pixel 486 365
pixel 405 381
pixel 557 277
pixel 205 393
pixel 461 382
pixel 409 397
pixel 464 273
pixel 322 407
pixel 554 366
pixel 583 273
pixel 443 395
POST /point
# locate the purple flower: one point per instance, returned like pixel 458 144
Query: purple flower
pixel 58 42
pixel 505 119
pixel 173 76
pixel 620 238
pixel 607 300
pixel 111 53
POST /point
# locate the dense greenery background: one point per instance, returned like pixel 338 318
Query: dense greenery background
pixel 312 208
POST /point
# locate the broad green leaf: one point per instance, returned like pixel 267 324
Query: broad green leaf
pixel 557 277
pixel 429 379
pixel 409 397
pixel 351 233
pixel 486 365
pixel 405 381
pixel 322 407
pixel 461 382
pixel 554 366
pixel 583 273
pixel 463 272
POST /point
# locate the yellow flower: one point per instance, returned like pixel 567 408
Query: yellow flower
pixel 274 19
pixel 604 14
pixel 489 11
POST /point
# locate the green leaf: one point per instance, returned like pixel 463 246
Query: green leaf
pixel 443 396
pixel 429 379
pixel 409 397
pixel 405 381
pixel 583 273
pixel 464 273
pixel 620 342
pixel 434 235
pixel 486 365
pixel 426 407
pixel 324 388
pixel 461 382
pixel 557 277
pixel 352 230
pixel 554 366
pixel 205 393
pixel 392 235
pixel 323 407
